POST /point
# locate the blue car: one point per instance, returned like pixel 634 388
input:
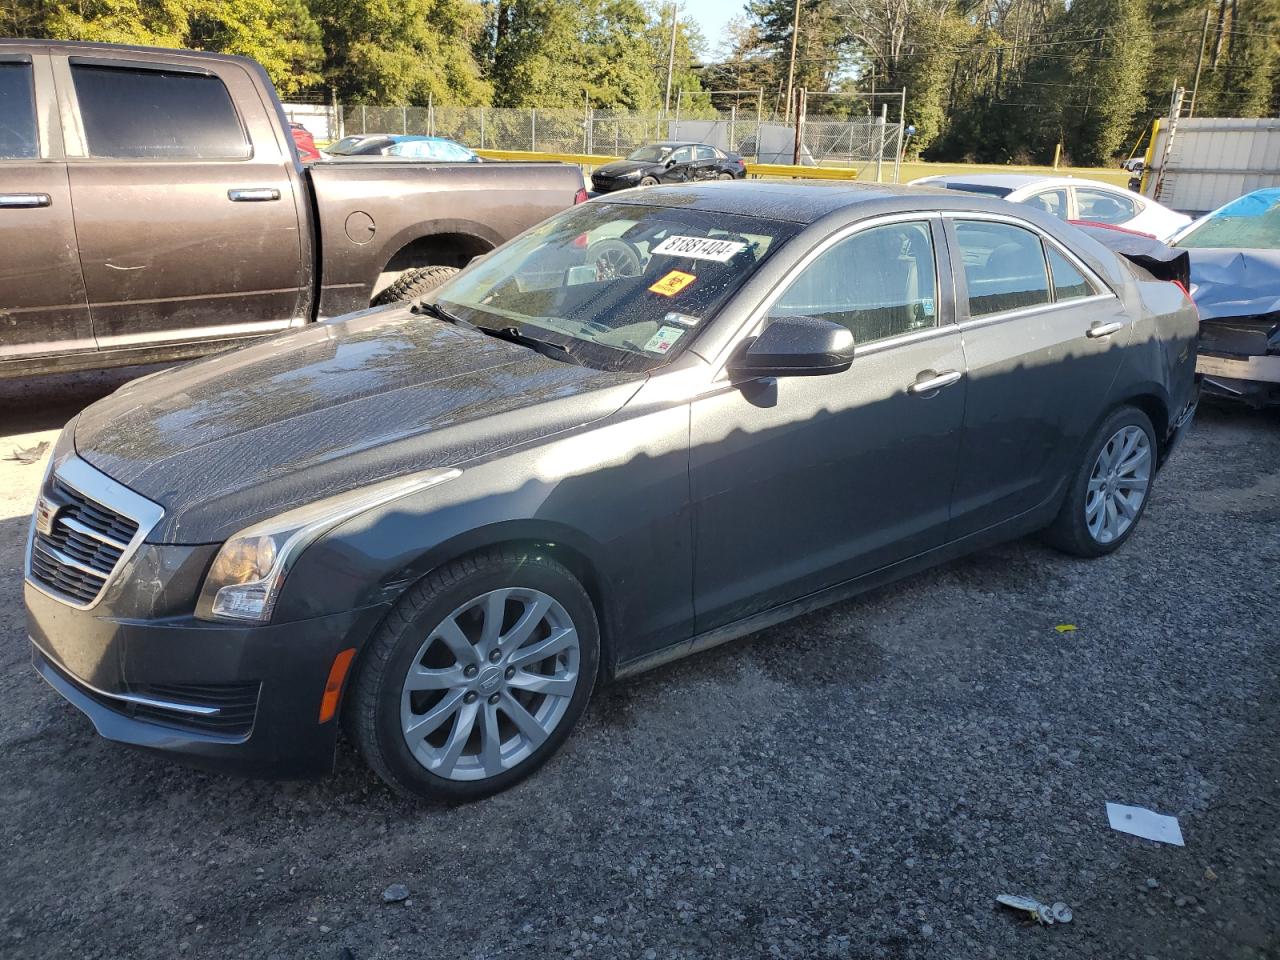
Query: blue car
pixel 395 145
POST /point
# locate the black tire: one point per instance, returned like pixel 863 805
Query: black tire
pixel 372 712
pixel 648 181
pixel 619 258
pixel 413 284
pixel 1069 531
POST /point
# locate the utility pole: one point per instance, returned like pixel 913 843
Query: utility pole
pixel 671 60
pixel 1195 86
pixel 791 70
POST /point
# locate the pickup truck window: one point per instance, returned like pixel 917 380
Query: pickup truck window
pixel 17 112
pixel 133 113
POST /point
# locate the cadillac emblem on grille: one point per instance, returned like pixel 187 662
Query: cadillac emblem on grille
pixel 46 513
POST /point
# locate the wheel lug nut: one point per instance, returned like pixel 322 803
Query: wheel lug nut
pixel 511 672
pixel 495 656
pixel 470 697
pixel 493 699
pixel 470 671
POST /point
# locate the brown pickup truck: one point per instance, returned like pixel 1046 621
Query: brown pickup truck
pixel 153 208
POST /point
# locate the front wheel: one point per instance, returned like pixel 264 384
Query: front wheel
pixel 1109 491
pixel 478 675
pixel 415 283
pixel 648 181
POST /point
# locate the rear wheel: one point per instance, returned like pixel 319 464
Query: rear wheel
pixel 413 284
pixel 1109 492
pixel 477 677
pixel 725 176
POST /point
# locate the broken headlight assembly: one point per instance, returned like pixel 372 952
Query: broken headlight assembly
pixel 245 579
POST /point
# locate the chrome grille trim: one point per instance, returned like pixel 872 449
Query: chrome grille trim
pixel 105 497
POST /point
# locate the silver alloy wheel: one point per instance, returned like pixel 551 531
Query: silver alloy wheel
pixel 490 683
pixel 1118 484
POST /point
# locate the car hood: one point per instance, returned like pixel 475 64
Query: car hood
pixel 241 436
pixel 1235 283
pixel 620 167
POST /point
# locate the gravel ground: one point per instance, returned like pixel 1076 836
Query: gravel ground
pixel 860 782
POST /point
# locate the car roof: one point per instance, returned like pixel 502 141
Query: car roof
pixel 417 138
pixel 807 201
pixel 677 143
pixel 1010 180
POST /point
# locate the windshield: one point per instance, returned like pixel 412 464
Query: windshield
pixel 651 154
pixel 620 286
pixel 1252 222
pixel 350 145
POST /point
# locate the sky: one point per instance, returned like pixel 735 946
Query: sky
pixel 712 15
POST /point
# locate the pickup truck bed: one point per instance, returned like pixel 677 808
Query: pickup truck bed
pixel 153 208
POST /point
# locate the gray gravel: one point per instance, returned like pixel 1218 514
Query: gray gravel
pixel 857 783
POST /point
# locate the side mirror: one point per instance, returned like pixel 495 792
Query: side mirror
pixel 671 162
pixel 795 347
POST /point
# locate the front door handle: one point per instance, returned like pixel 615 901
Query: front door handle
pixel 1104 329
pixel 253 194
pixel 19 200
pixel 928 384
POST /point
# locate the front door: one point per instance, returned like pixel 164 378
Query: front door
pixel 800 483
pixel 679 166
pixel 1042 340
pixel 42 301
pixel 187 224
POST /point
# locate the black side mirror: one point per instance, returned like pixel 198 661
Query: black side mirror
pixel 795 347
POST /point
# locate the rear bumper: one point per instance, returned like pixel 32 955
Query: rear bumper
pixel 1252 379
pixel 239 699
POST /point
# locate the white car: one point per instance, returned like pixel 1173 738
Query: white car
pixel 1069 198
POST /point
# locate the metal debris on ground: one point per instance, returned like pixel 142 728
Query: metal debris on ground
pixel 1043 913
pixel 1144 823
pixel 29 455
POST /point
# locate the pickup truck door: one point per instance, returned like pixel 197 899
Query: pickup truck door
pixel 185 209
pixel 42 300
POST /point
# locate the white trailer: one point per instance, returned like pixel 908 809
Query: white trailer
pixel 1209 161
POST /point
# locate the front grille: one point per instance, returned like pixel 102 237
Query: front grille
pixel 83 546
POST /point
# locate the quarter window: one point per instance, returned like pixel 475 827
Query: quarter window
pixel 1050 201
pixel 157 114
pixel 879 283
pixel 17 112
pixel 1004 267
pixel 1103 206
pixel 1068 282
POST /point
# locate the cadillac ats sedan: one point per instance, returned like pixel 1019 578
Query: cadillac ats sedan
pixel 647 426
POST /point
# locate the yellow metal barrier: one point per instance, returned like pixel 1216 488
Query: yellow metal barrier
pixel 754 169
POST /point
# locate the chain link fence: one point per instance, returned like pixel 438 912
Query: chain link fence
pixel 867 144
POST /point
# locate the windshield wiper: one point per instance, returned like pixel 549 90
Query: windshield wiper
pixel 545 347
pixel 437 311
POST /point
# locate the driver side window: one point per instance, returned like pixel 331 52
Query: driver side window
pixel 879 283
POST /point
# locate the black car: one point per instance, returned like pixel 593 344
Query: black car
pixel 669 161
pixel 649 425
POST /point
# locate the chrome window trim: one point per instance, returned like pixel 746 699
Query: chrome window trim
pixel 195 709
pixel 93 484
pixel 761 311
pixel 1039 308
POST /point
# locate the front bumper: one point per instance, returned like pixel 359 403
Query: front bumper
pixel 244 699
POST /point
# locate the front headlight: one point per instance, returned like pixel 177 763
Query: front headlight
pixel 251 567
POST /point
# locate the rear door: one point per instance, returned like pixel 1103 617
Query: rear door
pixel 42 300
pixel 1042 341
pixel 704 163
pixel 186 213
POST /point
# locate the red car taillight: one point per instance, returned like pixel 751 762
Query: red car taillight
pixel 581 196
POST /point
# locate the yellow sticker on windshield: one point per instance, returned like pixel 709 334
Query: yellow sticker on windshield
pixel 673 283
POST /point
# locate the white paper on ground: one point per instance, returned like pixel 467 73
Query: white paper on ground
pixel 1142 822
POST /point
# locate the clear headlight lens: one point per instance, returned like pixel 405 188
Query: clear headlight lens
pixel 251 567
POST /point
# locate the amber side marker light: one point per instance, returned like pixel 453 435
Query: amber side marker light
pixel 333 686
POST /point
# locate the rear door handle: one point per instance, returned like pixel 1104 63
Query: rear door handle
pixel 18 200
pixel 253 194
pixel 936 382
pixel 1104 329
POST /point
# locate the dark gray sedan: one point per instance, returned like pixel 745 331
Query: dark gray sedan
pixel 645 427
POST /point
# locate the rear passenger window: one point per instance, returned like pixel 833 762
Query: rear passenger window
pixel 1068 282
pixel 1103 206
pixel 17 112
pixel 879 283
pixel 157 115
pixel 1003 267
pixel 1050 201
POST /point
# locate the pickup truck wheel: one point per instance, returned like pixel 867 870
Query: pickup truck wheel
pixel 1110 488
pixel 414 284
pixel 477 676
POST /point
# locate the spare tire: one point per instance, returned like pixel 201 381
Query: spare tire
pixel 414 284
